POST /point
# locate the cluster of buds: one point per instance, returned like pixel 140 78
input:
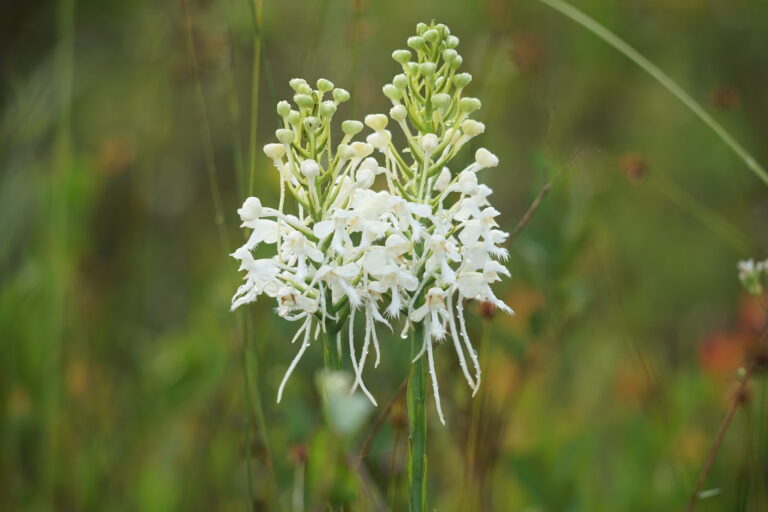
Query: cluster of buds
pixel 376 233
pixel 752 274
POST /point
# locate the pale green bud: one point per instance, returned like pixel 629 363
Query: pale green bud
pixel 401 56
pixel 441 100
pixel 456 62
pixel 285 135
pixel 432 36
pixel 400 81
pixel 392 92
pixel 421 28
pixel 304 100
pixel 274 151
pixel 449 55
pixel 398 113
pixel 293 117
pixel 461 80
pixel 439 81
pixel 451 41
pixel 327 108
pixel 295 83
pixel 416 42
pixel 469 105
pixel 376 121
pixel 283 108
pixel 411 68
pixel 340 95
pixel 443 29
pixel 345 152
pixel 472 128
pixel 351 127
pixel 309 168
pixel 311 123
pixel 427 68
pixel 306 89
pixel 324 85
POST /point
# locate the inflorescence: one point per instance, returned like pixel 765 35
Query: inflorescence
pixel 376 233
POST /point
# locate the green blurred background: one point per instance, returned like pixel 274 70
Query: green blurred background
pixel 125 146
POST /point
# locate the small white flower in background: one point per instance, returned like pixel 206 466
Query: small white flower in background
pixel 752 274
pixel 368 241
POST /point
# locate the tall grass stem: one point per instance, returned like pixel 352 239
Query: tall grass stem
pixel 619 44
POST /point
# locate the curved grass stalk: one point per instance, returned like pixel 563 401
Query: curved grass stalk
pixel 612 39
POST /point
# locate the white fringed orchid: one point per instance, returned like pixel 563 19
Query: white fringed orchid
pixel 367 239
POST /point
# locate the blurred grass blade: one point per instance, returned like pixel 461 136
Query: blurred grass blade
pixel 257 8
pixel 612 39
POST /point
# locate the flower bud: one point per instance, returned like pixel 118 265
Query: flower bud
pixel 461 80
pixel 376 121
pixel 441 100
pixel 345 152
pixel 449 55
pixel 379 139
pixel 283 108
pixel 456 62
pixel 295 83
pixel 398 113
pixel 472 128
pixel 274 151
pixel 361 149
pixel 432 36
pixel 400 81
pixel 306 89
pixel 351 127
pixel 340 95
pixel 324 85
pixel 485 158
pixel 303 100
pixel 411 68
pixel 443 180
pixel 429 143
pixel 327 108
pixel 293 117
pixel 401 56
pixel 443 29
pixel 392 92
pixel 452 41
pixel 416 42
pixel 469 105
pixel 427 68
pixel 467 182
pixel 365 177
pixel 421 28
pixel 285 135
pixel 251 209
pixel 311 123
pixel 310 168
pixel 439 81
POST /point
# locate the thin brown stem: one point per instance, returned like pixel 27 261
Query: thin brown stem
pixel 738 399
pixel 537 201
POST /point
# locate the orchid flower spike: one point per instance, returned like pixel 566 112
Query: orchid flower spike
pixel 368 235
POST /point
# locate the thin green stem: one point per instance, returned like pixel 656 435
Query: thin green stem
pixel 257 7
pixel 417 427
pixel 612 39
pixel 210 162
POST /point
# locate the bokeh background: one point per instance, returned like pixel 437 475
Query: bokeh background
pixel 126 142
